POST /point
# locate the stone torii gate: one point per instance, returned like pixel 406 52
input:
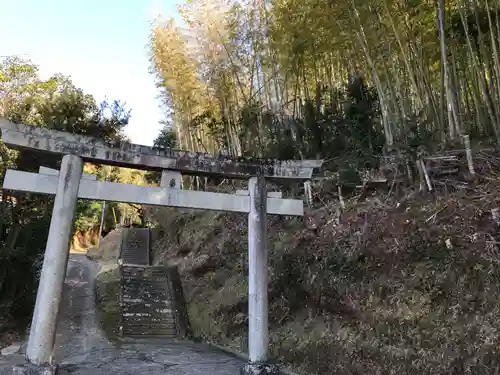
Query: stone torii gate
pixel 70 183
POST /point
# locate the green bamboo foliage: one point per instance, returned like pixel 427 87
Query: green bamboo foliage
pixel 435 64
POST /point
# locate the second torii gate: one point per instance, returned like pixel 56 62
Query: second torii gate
pixel 70 183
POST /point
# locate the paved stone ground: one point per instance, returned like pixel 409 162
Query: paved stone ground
pixel 82 347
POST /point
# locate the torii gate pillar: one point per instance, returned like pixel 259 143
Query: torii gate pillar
pixel 48 299
pixel 257 268
pixel 258 331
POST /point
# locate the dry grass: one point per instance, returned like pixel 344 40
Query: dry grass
pixel 83 241
pixel 375 291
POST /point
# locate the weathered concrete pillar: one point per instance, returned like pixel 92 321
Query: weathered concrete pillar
pixel 43 325
pixel 257 268
pixel 258 335
pixel 170 179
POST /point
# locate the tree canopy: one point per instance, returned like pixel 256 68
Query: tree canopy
pixel 288 78
pixel 24 218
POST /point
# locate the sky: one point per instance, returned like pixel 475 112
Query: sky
pixel 101 44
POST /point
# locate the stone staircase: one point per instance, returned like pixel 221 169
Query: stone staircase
pixel 136 246
pixel 150 297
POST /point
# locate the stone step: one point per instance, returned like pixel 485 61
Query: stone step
pixel 136 246
pixel 147 302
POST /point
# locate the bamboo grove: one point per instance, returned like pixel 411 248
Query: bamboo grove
pixel 303 78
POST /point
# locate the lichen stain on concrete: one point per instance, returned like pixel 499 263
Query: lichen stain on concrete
pixel 69 173
pixel 260 194
pixel 119 156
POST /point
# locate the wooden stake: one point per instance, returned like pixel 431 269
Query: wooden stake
pixel 468 152
pixel 426 175
pixel 341 198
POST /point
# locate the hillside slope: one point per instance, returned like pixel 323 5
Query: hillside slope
pixel 378 290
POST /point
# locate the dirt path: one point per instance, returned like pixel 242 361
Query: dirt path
pixel 82 347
